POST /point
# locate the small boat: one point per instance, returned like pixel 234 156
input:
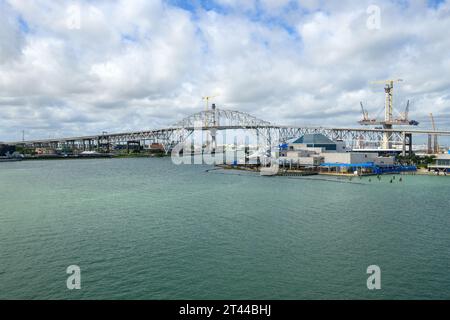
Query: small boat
pixel 269 171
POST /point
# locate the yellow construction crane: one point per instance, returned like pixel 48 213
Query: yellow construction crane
pixel 207 98
pixel 389 81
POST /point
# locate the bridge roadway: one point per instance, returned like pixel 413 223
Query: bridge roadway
pixel 154 134
pixel 219 119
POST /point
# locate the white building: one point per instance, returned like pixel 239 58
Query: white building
pixel 316 149
pixel 356 157
pixel 442 163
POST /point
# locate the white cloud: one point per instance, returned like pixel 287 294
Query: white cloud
pixel 11 39
pixel 274 5
pixel 142 64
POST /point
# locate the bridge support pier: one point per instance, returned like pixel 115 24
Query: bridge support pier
pixel 406 141
pixel 410 148
pixel 213 132
pixel 404 144
pixel 135 145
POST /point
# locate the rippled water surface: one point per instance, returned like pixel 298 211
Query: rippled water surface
pixel 147 229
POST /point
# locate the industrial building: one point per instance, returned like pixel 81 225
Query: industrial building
pixel 317 141
pixel 308 150
pixel 357 157
pixel 442 164
pixel 317 152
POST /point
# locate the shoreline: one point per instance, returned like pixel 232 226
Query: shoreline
pixel 81 157
pixel 284 172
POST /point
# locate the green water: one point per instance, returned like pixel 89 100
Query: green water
pixel 147 229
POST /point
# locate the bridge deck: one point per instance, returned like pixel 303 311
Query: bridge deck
pixel 148 133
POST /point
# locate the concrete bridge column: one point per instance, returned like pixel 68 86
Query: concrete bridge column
pixel 235 158
pixel 404 144
pixel 406 141
pixel 71 145
pixel 410 148
pixel 257 138
pixel 213 140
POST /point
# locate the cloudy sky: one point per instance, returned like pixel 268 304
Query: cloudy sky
pixel 83 67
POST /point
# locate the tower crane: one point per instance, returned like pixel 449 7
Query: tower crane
pixel 207 98
pixel 212 131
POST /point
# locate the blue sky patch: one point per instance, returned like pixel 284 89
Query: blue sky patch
pixel 23 25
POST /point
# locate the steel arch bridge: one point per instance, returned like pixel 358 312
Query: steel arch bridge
pixel 221 118
pixel 215 120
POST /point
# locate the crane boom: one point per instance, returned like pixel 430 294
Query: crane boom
pixel 389 81
pixel 405 116
pixel 207 98
pixel 432 122
pixel 364 112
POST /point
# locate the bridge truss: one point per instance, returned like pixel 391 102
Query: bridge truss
pixel 212 121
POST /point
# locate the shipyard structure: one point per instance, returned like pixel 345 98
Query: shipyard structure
pixel 315 153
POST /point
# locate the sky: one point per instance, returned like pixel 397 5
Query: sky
pixel 83 67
